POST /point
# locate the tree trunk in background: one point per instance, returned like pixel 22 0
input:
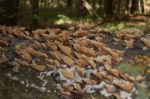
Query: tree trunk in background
pixel 93 3
pixel 127 3
pixel 118 7
pixel 81 10
pixel 134 6
pixel 45 3
pixel 35 12
pixel 108 8
pixel 101 8
pixel 142 6
pixel 69 4
pixel 10 12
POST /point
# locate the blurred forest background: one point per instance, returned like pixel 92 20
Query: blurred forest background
pixel 48 12
pixel 61 18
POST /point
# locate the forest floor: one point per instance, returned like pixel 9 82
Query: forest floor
pixel 119 50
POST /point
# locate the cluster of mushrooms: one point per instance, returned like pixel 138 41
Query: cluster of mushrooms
pixel 79 60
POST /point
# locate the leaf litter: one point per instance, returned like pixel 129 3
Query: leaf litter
pixel 79 61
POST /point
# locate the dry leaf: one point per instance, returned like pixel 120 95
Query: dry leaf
pixel 114 53
pixel 77 86
pixel 37 67
pixel 146 42
pixel 82 62
pixel 36 44
pixel 140 78
pixel 126 86
pixel 57 63
pixel 50 66
pixel 51 46
pixel 55 55
pixel 67 74
pixel 129 43
pixel 98 45
pixel 109 77
pixel 87 51
pixel 3 43
pixel 66 50
pixel 114 72
pixel 67 60
pixel 78 55
pixel 49 61
pixel 96 74
pixel 89 81
pixel 80 71
pixel 92 63
pixel 79 33
pixel 37 53
pixel 83 43
pixel 117 96
pixel 109 88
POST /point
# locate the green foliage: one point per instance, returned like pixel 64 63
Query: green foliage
pixel 37 17
pixel 114 26
pixel 62 19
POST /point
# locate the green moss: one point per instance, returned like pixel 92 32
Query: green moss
pixel 131 69
pixel 142 93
